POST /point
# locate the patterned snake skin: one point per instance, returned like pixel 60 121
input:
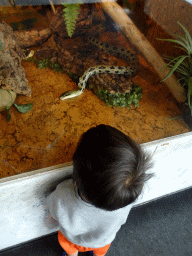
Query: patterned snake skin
pixel 129 71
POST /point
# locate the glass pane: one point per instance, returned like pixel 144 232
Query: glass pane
pixel 48 49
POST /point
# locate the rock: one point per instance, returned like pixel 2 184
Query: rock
pixel 12 74
pixel 7 99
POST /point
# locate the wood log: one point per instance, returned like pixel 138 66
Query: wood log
pixel 117 13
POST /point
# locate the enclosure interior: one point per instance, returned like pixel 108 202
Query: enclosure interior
pixel 48 134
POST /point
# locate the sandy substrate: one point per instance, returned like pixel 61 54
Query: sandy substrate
pixel 48 134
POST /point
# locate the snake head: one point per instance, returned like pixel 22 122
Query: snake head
pixel 70 94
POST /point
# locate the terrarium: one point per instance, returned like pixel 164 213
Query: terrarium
pixel 67 66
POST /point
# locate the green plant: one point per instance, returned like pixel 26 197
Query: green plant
pixel 183 63
pixel 42 63
pixel 121 100
pixel 71 12
pixel 46 63
pixel 23 108
pixel 57 67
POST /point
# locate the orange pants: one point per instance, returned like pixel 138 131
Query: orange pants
pixel 71 248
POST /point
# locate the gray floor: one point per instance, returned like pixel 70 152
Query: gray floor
pixel 162 227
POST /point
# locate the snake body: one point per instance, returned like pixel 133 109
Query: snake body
pixel 129 71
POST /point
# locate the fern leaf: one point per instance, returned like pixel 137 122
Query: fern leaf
pixel 71 12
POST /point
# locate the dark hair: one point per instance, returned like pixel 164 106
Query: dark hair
pixel 109 168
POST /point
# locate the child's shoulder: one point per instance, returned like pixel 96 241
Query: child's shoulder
pixel 68 183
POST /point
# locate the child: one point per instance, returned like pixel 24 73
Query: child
pixel 109 172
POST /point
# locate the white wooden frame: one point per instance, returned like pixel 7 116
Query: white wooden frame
pixel 24 215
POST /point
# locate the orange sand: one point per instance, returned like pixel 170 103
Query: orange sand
pixel 48 134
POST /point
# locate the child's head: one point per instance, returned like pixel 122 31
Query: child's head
pixel 109 168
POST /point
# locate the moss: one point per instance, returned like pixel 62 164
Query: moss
pixel 121 100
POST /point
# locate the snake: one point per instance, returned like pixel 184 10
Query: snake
pixel 129 71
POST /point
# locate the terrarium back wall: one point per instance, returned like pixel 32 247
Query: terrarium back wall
pixel 40 129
